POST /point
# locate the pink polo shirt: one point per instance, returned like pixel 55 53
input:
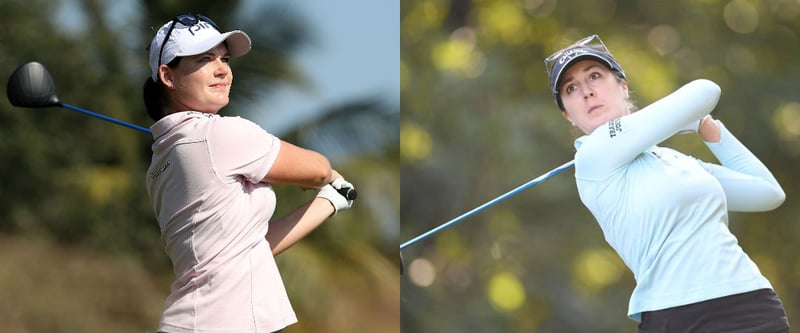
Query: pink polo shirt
pixel 204 182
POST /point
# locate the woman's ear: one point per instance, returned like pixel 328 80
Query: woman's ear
pixel 165 75
pixel 625 89
pixel 567 117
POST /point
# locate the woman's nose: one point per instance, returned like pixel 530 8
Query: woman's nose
pixel 221 68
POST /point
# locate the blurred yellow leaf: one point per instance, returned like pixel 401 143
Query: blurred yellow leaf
pixel 595 269
pixel 506 292
pixel 415 142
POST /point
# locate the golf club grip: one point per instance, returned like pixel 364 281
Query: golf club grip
pixel 348 193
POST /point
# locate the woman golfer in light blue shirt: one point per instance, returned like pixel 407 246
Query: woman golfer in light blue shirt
pixel 666 213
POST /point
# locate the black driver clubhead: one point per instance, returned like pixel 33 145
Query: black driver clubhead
pixel 32 86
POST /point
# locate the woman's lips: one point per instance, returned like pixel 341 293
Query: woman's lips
pixel 594 107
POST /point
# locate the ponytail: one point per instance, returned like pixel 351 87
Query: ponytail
pixel 154 98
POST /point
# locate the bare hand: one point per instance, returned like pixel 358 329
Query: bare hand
pixel 335 174
pixel 709 130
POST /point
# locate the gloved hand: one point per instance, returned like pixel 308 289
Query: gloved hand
pixel 331 193
pixel 345 188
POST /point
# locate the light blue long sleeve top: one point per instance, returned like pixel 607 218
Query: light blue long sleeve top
pixel 666 213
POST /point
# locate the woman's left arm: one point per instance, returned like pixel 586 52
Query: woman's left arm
pixel 288 230
pixel 749 186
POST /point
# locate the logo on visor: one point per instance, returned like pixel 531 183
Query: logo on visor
pixel 571 54
pixel 199 26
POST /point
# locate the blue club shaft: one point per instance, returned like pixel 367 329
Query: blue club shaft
pixel 106 118
pixel 488 204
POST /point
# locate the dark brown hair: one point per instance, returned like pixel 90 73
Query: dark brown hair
pixel 155 94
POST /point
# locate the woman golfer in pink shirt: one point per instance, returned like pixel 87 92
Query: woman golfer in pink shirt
pixel 210 185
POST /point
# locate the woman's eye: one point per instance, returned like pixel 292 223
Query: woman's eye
pixel 226 59
pixel 569 89
pixel 595 76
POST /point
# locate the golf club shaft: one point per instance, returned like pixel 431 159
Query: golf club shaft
pixel 488 204
pixel 106 118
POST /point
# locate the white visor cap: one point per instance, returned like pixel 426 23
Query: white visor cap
pixel 192 40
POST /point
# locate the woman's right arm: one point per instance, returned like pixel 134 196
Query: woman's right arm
pixel 300 166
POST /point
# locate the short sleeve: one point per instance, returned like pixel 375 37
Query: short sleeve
pixel 241 148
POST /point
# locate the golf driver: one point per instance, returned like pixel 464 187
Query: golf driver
pixel 478 209
pixel 31 86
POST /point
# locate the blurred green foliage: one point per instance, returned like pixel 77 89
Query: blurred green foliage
pixel 477 120
pixel 81 247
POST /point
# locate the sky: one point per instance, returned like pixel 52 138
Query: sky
pixel 357 54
